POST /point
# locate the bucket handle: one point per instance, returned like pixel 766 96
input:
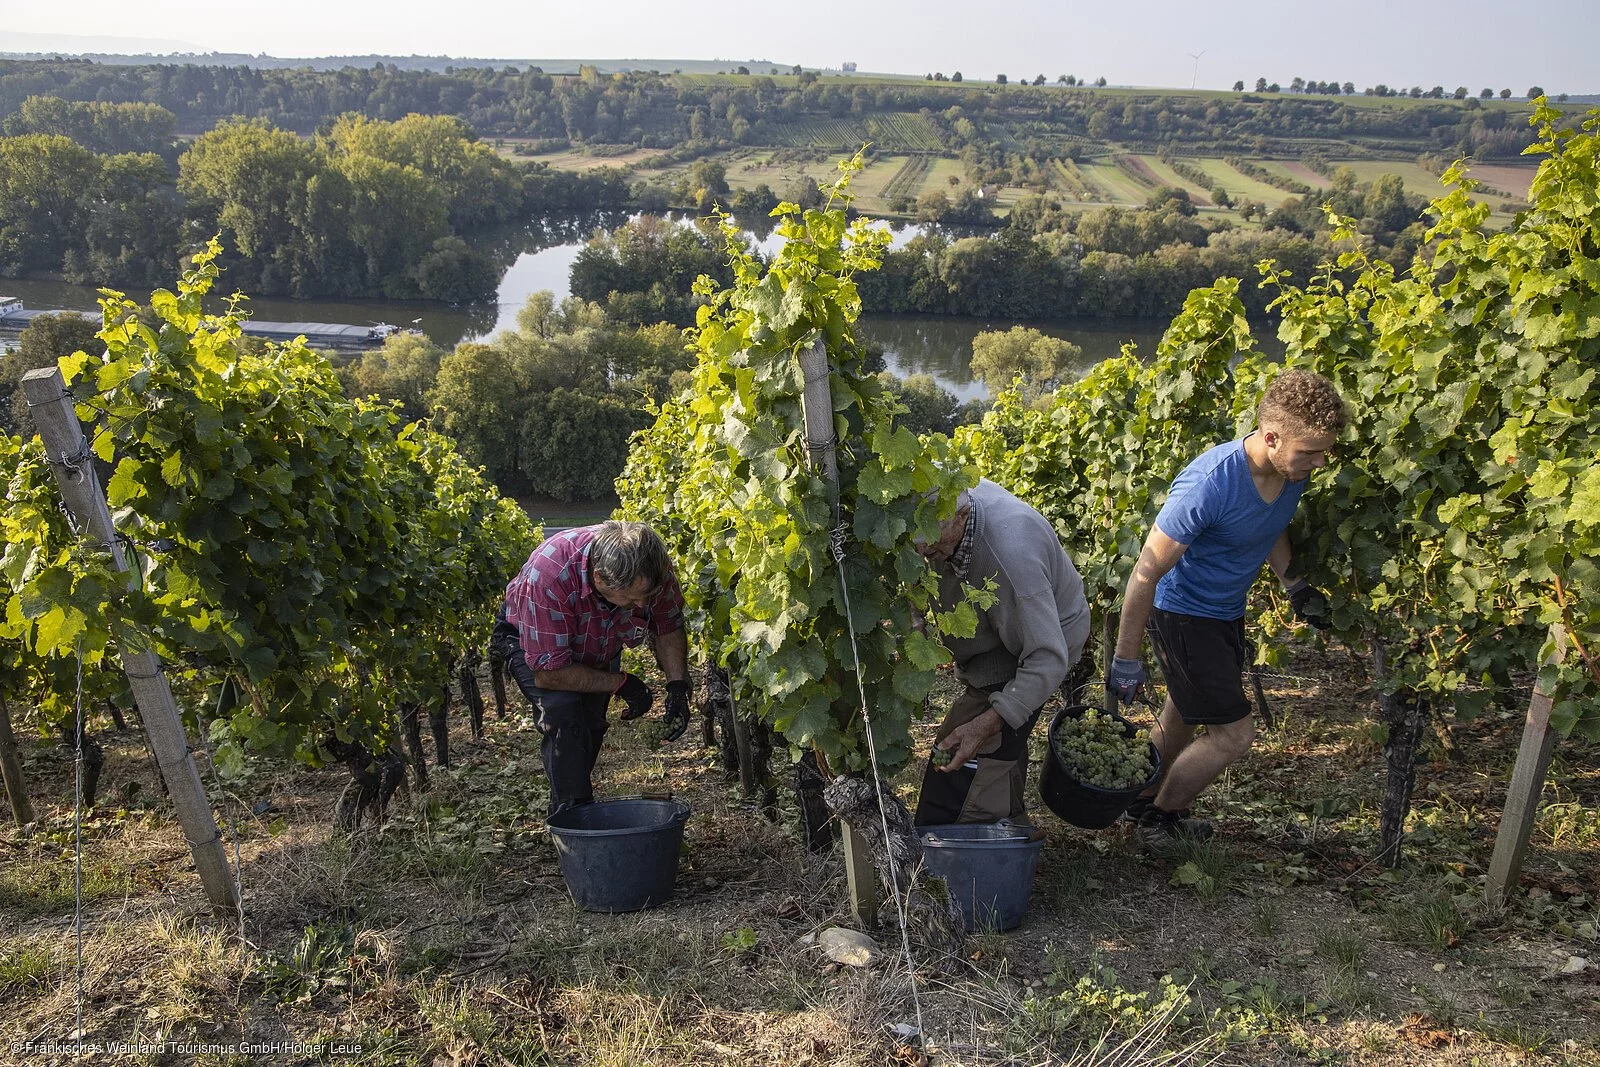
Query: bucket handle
pixel 1035 834
pixel 661 795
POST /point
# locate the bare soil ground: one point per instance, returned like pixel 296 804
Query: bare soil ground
pixel 1297 170
pixel 1509 178
pixel 580 160
pixel 447 937
pixel 1165 175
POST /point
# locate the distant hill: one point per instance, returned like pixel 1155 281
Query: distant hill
pixel 429 63
pixel 15 42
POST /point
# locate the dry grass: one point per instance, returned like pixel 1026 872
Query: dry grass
pixel 447 936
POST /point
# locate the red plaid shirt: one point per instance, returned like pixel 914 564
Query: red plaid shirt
pixel 561 620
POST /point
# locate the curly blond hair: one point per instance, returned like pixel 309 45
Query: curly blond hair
pixel 1301 402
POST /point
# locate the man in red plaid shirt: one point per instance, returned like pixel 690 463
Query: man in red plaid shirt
pixel 582 596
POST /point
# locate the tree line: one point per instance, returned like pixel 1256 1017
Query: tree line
pixel 546 407
pixel 100 192
pixel 651 110
pixel 1048 262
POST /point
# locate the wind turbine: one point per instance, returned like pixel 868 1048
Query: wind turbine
pixel 1196 57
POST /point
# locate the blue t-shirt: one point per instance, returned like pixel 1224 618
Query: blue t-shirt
pixel 1215 510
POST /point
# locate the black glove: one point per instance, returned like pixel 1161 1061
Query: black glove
pixel 1125 678
pixel 636 694
pixel 1309 605
pixel 676 714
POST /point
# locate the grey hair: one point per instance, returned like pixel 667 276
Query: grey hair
pixel 624 552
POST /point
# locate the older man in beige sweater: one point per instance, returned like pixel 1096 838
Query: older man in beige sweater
pixel 1024 645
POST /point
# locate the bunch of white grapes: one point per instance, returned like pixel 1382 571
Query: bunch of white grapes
pixel 1096 752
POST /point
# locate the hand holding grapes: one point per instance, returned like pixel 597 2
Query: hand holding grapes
pixel 964 741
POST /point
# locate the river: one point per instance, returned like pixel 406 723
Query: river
pixel 939 345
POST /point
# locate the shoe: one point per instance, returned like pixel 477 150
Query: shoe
pixel 1137 809
pixel 1162 831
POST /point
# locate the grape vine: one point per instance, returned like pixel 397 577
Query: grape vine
pixel 1466 504
pixel 1462 516
pixel 298 549
pixel 723 475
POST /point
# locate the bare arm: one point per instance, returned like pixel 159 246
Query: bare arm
pixel 1159 555
pixel 1279 558
pixel 576 678
pixel 672 653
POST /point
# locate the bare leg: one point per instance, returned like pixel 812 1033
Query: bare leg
pixel 1198 764
pixel 1171 736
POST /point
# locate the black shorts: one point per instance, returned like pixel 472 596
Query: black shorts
pixel 1203 661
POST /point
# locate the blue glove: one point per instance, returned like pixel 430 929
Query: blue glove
pixel 1126 678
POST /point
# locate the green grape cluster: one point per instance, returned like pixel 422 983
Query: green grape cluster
pixel 1096 752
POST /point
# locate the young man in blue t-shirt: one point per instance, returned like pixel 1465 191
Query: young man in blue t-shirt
pixel 1228 512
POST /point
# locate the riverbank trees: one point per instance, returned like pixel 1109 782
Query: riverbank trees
pixel 97 125
pixel 644 271
pixel 369 209
pixel 1054 263
pixel 1048 262
pixel 546 408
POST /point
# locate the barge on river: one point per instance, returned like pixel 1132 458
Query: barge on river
pixel 15 318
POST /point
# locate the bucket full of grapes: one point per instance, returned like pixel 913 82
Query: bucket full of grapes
pixel 1095 764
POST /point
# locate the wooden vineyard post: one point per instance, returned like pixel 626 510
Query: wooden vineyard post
pixel 73 464
pixel 11 768
pixel 1109 623
pixel 860 876
pixel 1527 783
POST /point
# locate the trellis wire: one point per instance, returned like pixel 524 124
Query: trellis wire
pixel 77 850
pixel 836 544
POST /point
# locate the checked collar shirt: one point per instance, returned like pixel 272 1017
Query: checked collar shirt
pixel 961 558
pixel 561 620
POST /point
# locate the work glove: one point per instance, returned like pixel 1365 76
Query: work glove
pixel 1309 604
pixel 676 714
pixel 635 693
pixel 1125 678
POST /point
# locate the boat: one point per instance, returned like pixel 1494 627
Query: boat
pixel 15 317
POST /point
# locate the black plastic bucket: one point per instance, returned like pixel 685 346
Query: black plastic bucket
pixel 620 855
pixel 1081 804
pixel 988 867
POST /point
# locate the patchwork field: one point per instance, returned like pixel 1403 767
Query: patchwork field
pixel 1416 179
pixel 1114 185
pixel 581 159
pixel 1510 178
pixel 1070 180
pixel 940 173
pixel 1290 168
pixel 908 165
pixel 1165 175
pixel 907 179
pixel 1240 186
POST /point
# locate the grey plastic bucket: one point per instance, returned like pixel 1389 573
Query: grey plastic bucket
pixel 622 854
pixel 989 868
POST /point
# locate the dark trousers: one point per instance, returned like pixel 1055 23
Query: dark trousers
pixel 572 724
pixel 992 787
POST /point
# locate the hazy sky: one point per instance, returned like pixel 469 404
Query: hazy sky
pixel 1475 43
